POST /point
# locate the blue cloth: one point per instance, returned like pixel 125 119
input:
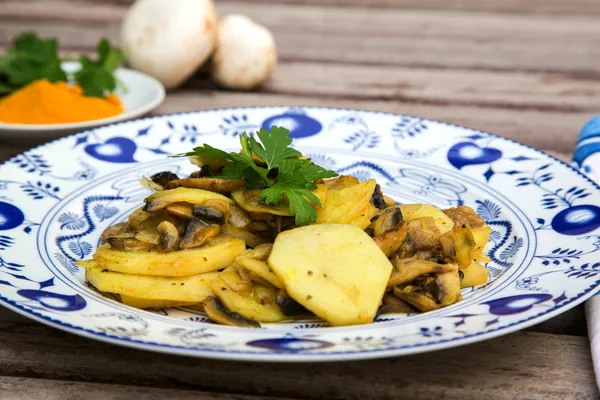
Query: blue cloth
pixel 586 155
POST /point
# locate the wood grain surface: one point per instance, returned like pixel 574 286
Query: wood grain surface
pixel 525 70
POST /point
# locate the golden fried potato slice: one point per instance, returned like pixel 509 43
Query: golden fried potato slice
pixel 334 270
pixel 259 304
pixel 348 205
pixel 256 261
pixel 192 289
pixel 475 275
pixel 216 254
pixel 152 303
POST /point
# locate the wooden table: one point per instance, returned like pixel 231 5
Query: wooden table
pixel 527 70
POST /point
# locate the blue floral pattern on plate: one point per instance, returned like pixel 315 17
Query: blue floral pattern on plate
pixel 55 201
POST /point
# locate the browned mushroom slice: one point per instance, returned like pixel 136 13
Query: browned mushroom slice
pixel 217 211
pixel 210 184
pixel 215 310
pixel 387 220
pixel 163 199
pixel 377 198
pixel 151 236
pixel 137 217
pixel 448 287
pixel 181 210
pixel 421 232
pixel 407 271
pixel 422 300
pixel 463 215
pixel 128 244
pixel 447 244
pixel 391 241
pixel 393 305
pixel 289 307
pixel 115 230
pixel 238 217
pixel 169 236
pixel 197 233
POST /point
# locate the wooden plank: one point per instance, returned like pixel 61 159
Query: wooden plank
pixel 515 90
pixel 441 39
pixel 520 365
pixel 512 6
pixel 15 388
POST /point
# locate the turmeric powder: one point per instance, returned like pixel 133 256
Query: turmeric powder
pixel 42 102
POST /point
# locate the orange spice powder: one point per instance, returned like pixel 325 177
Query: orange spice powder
pixel 42 102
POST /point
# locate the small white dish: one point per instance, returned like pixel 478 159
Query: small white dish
pixel 142 95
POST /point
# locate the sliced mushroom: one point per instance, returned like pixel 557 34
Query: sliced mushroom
pixel 115 230
pixel 448 287
pixel 249 201
pixel 163 199
pixel 164 177
pixel 204 172
pixel 181 210
pixel 387 220
pixel 217 211
pixel 407 271
pixel 137 217
pixel 289 307
pixel 423 234
pixel 463 215
pixel 422 300
pixel 169 236
pixel 391 241
pixel 215 310
pixel 377 199
pixel 151 236
pixel 128 244
pixel 197 233
pixel 393 305
pixel 447 244
pixel 210 184
pixel 238 218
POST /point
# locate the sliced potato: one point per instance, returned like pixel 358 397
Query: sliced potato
pixel 464 245
pixel 256 261
pixel 475 275
pixel 152 303
pixel 160 200
pixel 192 289
pixel 334 270
pixel 258 305
pixel 415 211
pixel 481 236
pixel 217 254
pixel 249 201
pixel 348 205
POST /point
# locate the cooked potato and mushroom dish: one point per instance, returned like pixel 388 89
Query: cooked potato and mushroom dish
pixel 265 235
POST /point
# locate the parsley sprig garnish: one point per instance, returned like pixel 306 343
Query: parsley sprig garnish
pixel 32 58
pixel 294 176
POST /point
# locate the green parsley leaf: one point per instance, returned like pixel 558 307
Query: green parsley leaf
pixel 29 59
pixel 276 146
pixel 97 78
pixel 295 176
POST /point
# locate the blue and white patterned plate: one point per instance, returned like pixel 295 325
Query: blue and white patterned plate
pixel 55 201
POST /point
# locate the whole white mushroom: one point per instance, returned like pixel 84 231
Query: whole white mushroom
pixel 169 40
pixel 245 55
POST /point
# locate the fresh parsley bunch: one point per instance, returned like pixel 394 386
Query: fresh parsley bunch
pixel 294 176
pixel 32 58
